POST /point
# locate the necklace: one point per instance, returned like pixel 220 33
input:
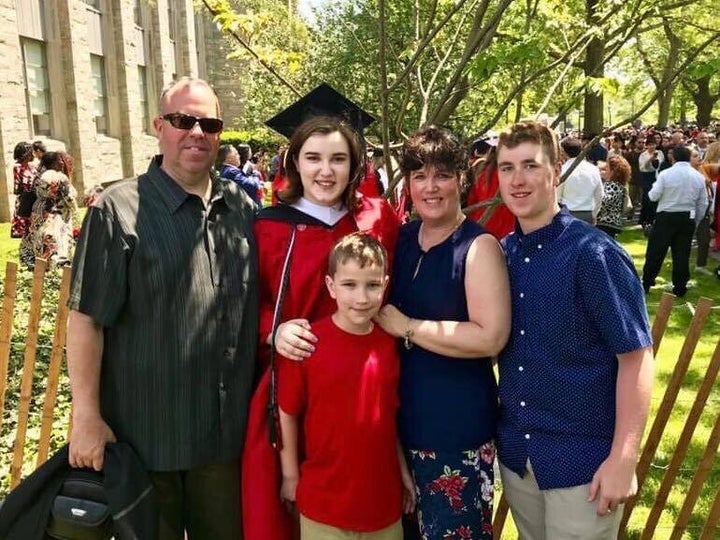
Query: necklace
pixel 421 241
pixel 442 237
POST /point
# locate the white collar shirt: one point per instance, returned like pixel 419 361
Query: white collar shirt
pixel 582 191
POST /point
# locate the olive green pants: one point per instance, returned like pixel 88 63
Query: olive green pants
pixel 204 502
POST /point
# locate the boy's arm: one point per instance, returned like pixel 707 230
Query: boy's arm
pixel 289 457
pixel 409 495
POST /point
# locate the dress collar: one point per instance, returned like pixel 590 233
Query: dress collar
pixel 329 215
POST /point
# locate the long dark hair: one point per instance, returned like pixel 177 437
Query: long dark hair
pixel 323 125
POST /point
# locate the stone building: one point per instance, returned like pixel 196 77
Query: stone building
pixel 84 76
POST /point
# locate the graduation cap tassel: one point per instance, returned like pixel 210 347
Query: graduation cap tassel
pixel 272 406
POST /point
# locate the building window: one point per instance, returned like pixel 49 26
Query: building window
pixel 171 20
pixel 37 85
pixel 97 67
pixel 144 110
pixel 93 3
pixel 138 13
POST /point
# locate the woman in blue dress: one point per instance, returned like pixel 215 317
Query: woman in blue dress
pixel 450 307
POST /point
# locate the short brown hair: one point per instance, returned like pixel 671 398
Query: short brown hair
pixel 432 145
pixel 532 132
pixel 323 125
pixel 619 169
pixel 366 250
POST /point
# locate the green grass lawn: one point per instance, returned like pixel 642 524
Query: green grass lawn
pixel 682 313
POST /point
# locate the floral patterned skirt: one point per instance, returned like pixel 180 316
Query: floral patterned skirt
pixel 455 493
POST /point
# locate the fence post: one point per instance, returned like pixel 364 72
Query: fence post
pixel 684 441
pixel 28 371
pixel 671 392
pixel 54 369
pixel 6 327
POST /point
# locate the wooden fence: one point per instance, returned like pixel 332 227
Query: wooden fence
pixel 658 423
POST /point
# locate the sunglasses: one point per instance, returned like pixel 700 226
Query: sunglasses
pixel 187 122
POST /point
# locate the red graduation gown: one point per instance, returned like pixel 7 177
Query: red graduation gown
pixel 264 516
pixel 501 222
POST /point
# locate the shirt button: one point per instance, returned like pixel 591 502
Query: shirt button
pixel 527 259
pixel 522 403
pixel 521 368
pixel 522 332
pixel 527 435
pixel 522 295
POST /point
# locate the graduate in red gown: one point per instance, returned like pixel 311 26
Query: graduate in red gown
pixel 320 204
pixel 485 188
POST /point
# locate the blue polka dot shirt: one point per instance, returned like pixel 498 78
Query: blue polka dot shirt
pixel 577 303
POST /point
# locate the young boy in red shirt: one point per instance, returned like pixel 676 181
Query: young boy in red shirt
pixel 354 477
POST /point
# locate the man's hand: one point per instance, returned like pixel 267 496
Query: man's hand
pixel 87 441
pixel 613 483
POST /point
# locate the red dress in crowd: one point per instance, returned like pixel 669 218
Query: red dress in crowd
pixel 501 221
pixel 264 516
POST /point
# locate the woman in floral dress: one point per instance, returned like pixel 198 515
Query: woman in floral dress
pixel 54 214
pixel 24 174
pixel 615 175
pixel 450 307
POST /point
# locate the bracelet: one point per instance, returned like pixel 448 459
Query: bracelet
pixel 407 336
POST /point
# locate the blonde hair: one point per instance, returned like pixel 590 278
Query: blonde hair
pixel 360 247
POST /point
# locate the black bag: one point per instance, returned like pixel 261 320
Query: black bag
pixel 80 509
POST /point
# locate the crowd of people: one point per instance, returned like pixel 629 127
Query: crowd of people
pixel 322 367
pixel 46 216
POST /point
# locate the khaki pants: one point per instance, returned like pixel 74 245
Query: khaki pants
pixel 556 514
pixel 312 530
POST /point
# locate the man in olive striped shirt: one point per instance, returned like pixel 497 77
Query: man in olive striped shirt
pixel 163 322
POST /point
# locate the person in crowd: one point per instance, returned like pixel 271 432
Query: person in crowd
pixel 162 330
pixel 353 479
pixel 597 151
pixel 446 342
pixel 649 163
pixel 54 213
pixel 39 150
pixel 495 216
pixel 251 183
pixel 276 162
pixel 574 387
pixel 582 190
pixel 711 168
pixel 631 153
pixel 702 231
pixel 319 204
pixel 701 141
pixel 24 174
pixel 615 174
pixel 245 158
pixel 682 201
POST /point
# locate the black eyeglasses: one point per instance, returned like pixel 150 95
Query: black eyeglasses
pixel 187 122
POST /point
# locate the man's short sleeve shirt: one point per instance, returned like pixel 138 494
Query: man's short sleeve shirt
pixel 577 303
pixel 173 283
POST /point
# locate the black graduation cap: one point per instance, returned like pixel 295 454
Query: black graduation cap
pixel 322 101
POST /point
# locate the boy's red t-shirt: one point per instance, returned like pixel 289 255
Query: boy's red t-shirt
pixel 346 394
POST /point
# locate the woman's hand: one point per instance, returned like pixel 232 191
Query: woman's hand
pixel 294 340
pixel 409 493
pixel 392 320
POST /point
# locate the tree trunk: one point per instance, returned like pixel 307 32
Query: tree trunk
pixel 664 102
pixel 704 100
pixel 594 67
